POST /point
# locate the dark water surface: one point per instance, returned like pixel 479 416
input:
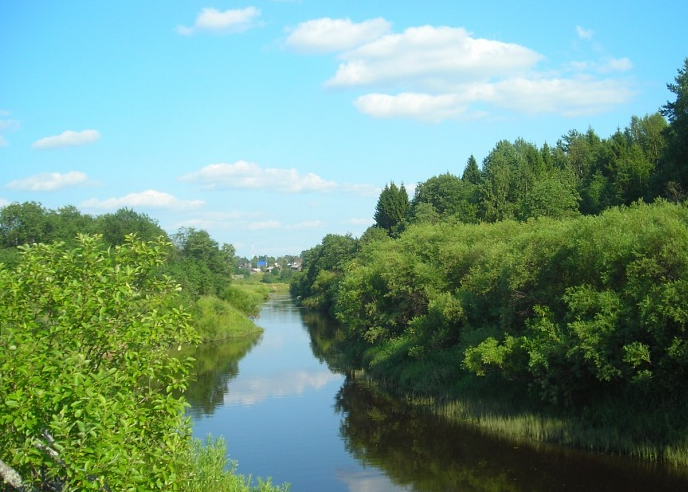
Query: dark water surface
pixel 286 415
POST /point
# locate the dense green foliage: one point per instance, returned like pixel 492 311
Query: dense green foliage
pixel 392 207
pixel 90 380
pixel 196 261
pixel 87 376
pixel 543 276
pixel 325 264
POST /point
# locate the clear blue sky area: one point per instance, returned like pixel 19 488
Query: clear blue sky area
pixel 272 123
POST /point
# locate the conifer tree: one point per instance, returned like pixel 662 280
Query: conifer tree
pixel 391 206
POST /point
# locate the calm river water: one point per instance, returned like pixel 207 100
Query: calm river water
pixel 285 414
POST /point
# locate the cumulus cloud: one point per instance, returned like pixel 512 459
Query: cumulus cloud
pixel 144 199
pixel 3 202
pixel 330 35
pixel 432 74
pixel 569 97
pixel 431 57
pixel 248 175
pixel 425 107
pixel 49 181
pixel 229 21
pixel 67 139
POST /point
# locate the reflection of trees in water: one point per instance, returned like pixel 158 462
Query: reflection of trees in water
pixel 216 364
pixel 418 449
pixel 327 338
pixel 427 453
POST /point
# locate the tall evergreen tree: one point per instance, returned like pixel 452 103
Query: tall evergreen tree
pixel 675 166
pixel 391 206
pixel 471 172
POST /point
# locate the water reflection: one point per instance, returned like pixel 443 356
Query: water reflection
pixel 216 364
pixel 420 451
pixel 291 415
pixel 250 391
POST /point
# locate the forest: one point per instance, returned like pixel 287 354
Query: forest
pixel 550 283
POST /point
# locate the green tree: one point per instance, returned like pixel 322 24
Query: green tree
pixel 674 172
pixel 24 223
pixel 471 173
pixel 449 196
pixel 116 226
pixel 498 189
pixel 87 377
pixel 391 207
pixel 552 196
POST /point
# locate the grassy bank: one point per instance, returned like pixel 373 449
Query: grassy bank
pixel 231 314
pixel 210 471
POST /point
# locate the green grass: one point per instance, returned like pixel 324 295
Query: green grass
pixel 216 319
pixel 209 470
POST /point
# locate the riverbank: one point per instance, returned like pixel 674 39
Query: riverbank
pixel 232 315
pixel 569 331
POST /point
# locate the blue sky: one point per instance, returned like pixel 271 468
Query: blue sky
pixel 272 123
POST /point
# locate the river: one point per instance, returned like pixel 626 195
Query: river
pixel 285 413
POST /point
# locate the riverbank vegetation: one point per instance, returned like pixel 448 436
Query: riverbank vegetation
pixel 89 365
pixel 89 382
pixel 542 294
pixel 220 308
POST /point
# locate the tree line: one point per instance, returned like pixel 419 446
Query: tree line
pixel 553 276
pixel 582 174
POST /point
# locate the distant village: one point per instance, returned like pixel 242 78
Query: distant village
pixel 281 267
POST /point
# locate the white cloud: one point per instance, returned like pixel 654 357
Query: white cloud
pixel 424 107
pixel 583 33
pixel 248 175
pixel 67 139
pixel 145 199
pixel 432 74
pixel 49 181
pixel 431 57
pixel 3 202
pixel 330 35
pixel 229 21
pixel 568 97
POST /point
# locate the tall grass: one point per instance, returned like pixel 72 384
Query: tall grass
pixel 210 471
pixel 216 319
pixel 610 429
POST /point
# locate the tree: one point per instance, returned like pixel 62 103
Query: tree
pixel 24 223
pixel 471 173
pixel 199 263
pixel 88 380
pixel 391 207
pixel 675 166
pixel 115 227
pixel 553 196
pixel 498 189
